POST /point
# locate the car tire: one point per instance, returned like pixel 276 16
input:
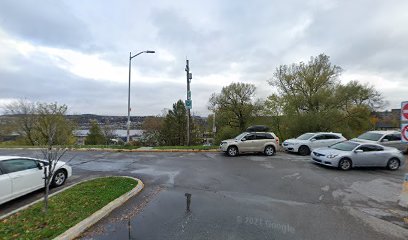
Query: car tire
pixel 393 164
pixel 59 178
pixel 345 164
pixel 232 151
pixel 304 150
pixel 269 150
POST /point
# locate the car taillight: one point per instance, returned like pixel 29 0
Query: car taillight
pixel 277 140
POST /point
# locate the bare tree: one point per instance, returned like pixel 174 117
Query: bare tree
pixel 54 133
pixel 108 132
pixel 24 113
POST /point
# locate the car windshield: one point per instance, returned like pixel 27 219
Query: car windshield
pixel 370 136
pixel 240 136
pixel 344 146
pixel 305 136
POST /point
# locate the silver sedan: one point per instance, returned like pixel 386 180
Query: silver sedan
pixel 348 154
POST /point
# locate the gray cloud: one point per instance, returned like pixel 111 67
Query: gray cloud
pixel 219 37
pixel 45 22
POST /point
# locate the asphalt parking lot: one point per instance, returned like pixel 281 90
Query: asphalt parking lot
pixel 285 196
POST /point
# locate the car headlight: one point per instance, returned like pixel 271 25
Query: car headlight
pixel 332 155
pixel 288 143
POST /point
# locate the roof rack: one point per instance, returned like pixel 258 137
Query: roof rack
pixel 258 128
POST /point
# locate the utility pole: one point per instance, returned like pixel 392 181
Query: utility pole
pixel 189 104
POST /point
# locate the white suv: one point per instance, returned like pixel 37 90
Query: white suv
pixel 385 138
pixel 266 142
pixel 305 143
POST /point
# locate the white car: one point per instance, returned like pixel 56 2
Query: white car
pixel 305 143
pixel 22 175
pixel 385 138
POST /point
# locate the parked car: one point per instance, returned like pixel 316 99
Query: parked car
pixel 266 142
pixel 22 175
pixel 385 138
pixel 348 154
pixel 305 143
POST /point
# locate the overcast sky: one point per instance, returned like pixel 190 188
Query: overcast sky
pixel 77 52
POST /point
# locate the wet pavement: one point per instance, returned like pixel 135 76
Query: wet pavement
pixel 248 197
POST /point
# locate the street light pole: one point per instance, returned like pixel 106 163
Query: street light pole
pixel 130 62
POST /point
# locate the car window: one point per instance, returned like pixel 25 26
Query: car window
pixel 332 136
pixel 305 136
pixel 250 137
pixel 370 148
pixel 240 136
pixel 344 146
pixel 320 137
pixel 397 137
pixel 16 165
pixel 261 136
pixel 393 137
pixel 269 136
pixel 370 136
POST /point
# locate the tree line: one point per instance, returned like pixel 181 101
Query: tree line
pixel 306 97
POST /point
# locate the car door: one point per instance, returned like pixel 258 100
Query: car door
pixel 5 187
pixel 393 140
pixel 260 142
pixel 371 156
pixel 332 139
pixel 247 143
pixel 317 141
pixel 24 174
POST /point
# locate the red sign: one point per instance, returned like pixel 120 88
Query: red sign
pixel 404 132
pixel 404 111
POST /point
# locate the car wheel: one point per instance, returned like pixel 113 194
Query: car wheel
pixel 59 178
pixel 345 164
pixel 232 151
pixel 269 150
pixel 393 164
pixel 304 150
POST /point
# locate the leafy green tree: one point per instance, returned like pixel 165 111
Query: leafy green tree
pixel 95 135
pixel 311 98
pixel 235 105
pixel 175 125
pixel 51 125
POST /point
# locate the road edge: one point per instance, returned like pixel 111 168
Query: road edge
pixel 82 226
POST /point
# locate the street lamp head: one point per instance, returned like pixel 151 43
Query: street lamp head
pixel 149 51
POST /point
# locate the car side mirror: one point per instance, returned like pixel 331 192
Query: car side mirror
pixel 358 151
pixel 313 139
pixel 39 166
pixel 384 140
pixel 243 139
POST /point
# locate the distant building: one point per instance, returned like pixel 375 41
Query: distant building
pixel 135 135
pixel 387 120
pixel 9 137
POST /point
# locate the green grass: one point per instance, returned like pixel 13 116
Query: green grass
pixel 65 209
pixel 198 147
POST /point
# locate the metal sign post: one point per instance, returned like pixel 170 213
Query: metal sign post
pixel 403 201
pixel 188 102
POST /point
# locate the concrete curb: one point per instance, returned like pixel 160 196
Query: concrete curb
pixel 144 150
pixel 80 227
pixel 280 149
pixel 123 150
